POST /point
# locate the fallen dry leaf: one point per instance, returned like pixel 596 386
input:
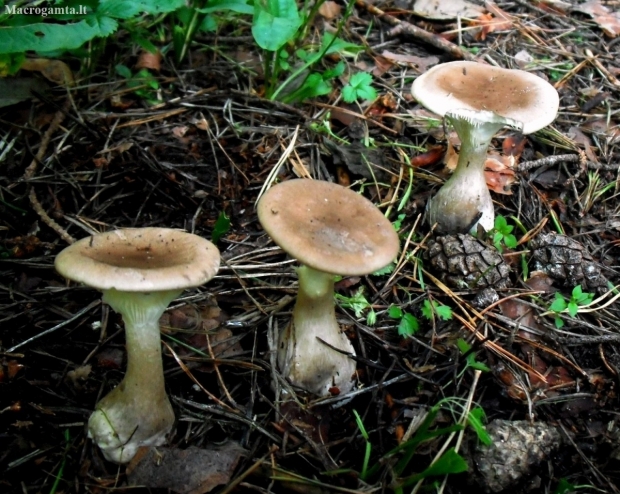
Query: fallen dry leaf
pixel 495 20
pixel 608 20
pixel 421 63
pixel 514 145
pixel 53 70
pixel 442 10
pixel 611 129
pixel 330 9
pixel 382 65
pixel 148 60
pixel 499 174
pixel 583 141
pixel 189 471
pixel 431 157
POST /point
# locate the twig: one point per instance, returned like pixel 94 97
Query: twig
pixel 404 27
pixel 58 326
pixel 32 168
pixel 562 158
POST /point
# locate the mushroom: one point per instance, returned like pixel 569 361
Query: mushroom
pixel 140 271
pixel 478 100
pixel 331 230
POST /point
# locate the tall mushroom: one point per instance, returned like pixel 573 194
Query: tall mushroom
pixel 330 230
pixel 140 271
pixel 478 100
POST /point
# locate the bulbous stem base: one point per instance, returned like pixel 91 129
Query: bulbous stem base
pixel 302 358
pixel 137 412
pixel 464 200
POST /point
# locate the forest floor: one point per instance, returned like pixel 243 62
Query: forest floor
pixel 193 146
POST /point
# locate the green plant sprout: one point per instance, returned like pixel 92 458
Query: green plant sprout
pixel 143 83
pixel 594 190
pixel 221 227
pixel 359 87
pixel 560 304
pixel 450 462
pixel 565 487
pixel 324 127
pixel 432 308
pixel 358 304
pixel 502 234
pixel 368 450
pixel 470 357
pixel 408 324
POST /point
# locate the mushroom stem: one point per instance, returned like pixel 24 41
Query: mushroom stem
pixel 137 412
pixel 464 200
pixel 305 360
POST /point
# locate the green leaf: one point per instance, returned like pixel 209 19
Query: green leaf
pixel 338 45
pixel 577 292
pixel 572 308
pixel 500 223
pixel 275 23
pixel 221 227
pixel 450 462
pixel 334 72
pixel 208 24
pixel 42 37
pixel 359 87
pixel 559 304
pixel 443 312
pixel 313 86
pixel 368 93
pixel 463 346
pixel 559 322
pixel 475 418
pixel 238 6
pixel 474 364
pixel 510 241
pixel 349 94
pixel 395 312
pixel 408 325
pixel 386 270
pixel 371 318
pixel 360 79
pixel 126 9
pixel 123 71
pixel 564 487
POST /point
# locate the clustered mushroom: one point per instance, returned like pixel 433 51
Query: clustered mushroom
pixel 140 271
pixel 331 230
pixel 478 100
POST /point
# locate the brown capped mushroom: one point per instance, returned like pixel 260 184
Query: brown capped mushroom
pixel 140 271
pixel 330 230
pixel 478 100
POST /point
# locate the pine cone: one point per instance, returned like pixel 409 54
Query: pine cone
pixel 463 261
pixel 567 262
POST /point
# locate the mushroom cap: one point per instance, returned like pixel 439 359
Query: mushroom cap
pixel 140 260
pixel 475 86
pixel 328 227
